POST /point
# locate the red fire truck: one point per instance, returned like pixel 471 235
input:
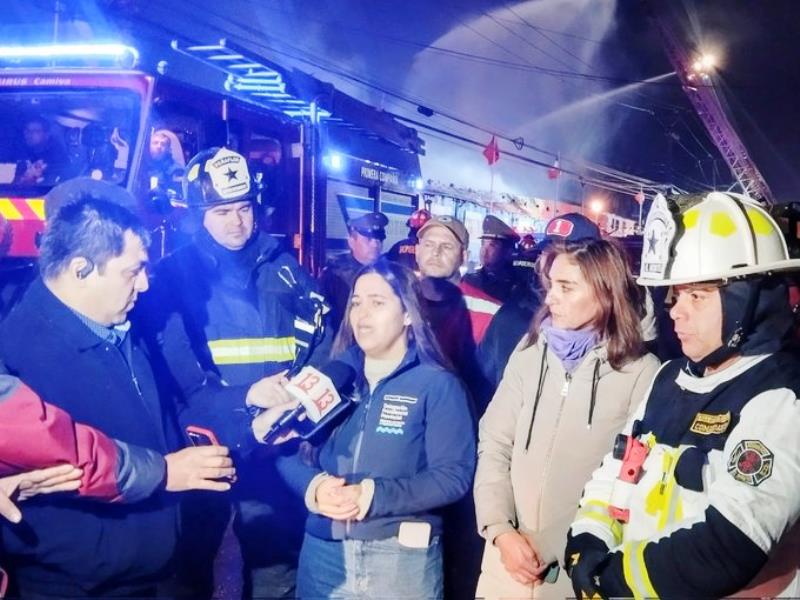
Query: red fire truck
pixel 86 111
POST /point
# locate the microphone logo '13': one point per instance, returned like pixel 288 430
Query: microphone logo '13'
pixel 322 396
pixel 315 391
pixel 307 381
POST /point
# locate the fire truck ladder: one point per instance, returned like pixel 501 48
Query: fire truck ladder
pixel 703 96
pixel 251 77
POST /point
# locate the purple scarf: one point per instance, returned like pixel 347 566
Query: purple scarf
pixel 569 345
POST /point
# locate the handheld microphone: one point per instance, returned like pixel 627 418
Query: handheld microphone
pixel 318 391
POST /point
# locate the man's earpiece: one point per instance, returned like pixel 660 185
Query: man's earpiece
pixel 86 270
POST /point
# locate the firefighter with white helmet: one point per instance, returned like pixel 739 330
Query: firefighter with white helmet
pixel 701 495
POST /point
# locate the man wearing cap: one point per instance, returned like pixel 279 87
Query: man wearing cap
pixel 441 250
pixel 229 313
pixel 365 241
pixel 486 289
pixel 701 496
pixel 571 227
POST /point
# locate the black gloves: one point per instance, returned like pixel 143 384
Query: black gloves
pixel 585 556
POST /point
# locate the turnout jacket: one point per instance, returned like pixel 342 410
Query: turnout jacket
pixel 714 509
pixel 66 544
pixel 222 320
pixel 541 437
pixel 413 436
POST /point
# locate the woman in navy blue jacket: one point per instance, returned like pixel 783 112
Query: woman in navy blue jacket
pixel 404 452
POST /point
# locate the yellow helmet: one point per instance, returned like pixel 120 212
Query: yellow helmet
pixel 690 239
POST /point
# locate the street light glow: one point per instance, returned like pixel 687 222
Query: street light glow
pixel 597 206
pixel 708 61
pixel 703 66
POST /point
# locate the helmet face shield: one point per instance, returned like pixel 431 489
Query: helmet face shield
pixel 718 236
pixel 217 176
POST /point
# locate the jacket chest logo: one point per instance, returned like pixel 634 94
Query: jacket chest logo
pixel 710 424
pixel 394 413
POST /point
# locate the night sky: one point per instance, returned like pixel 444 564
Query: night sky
pixel 651 130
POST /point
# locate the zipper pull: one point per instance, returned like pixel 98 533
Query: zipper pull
pixel 565 387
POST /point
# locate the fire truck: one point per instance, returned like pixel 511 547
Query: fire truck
pixel 321 156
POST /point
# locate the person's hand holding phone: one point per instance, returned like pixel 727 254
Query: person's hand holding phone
pixel 200 468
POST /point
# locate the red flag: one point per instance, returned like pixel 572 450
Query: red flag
pixel 554 171
pixel 492 152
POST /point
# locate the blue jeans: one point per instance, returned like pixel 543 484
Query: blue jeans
pixel 368 570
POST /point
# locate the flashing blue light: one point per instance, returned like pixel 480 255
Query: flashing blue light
pixel 335 161
pixel 419 184
pixel 117 52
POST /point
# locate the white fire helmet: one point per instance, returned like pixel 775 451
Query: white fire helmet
pixel 719 236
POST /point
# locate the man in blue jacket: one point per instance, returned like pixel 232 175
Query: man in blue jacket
pixel 233 311
pixel 70 340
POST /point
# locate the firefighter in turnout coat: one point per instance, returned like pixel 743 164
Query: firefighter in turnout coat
pixel 701 496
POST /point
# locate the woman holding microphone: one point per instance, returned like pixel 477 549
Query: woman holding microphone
pixel 404 451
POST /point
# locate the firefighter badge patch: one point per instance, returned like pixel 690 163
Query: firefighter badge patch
pixel 229 174
pixel 710 424
pixel 750 462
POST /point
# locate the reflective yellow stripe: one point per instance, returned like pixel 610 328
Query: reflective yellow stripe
pixel 9 211
pixel 663 500
pixel 9 208
pixel 635 571
pixel 596 510
pixel 252 350
pixel 37 206
pixel 674 508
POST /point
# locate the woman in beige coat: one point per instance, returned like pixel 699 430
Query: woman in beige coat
pixel 568 389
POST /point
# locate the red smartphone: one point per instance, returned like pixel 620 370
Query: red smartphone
pixel 199 436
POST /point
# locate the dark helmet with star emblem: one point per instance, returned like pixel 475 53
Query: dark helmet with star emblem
pixel 218 176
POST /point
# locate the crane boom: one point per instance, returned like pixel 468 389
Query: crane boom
pixel 706 103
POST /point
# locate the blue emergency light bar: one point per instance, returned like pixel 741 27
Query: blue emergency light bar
pixel 117 54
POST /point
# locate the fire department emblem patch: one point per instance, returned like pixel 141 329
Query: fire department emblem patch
pixel 750 462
